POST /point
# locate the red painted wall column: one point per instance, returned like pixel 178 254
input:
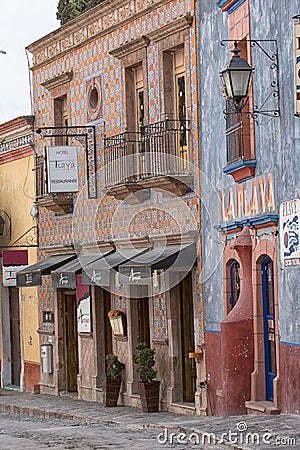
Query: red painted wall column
pixel 237 348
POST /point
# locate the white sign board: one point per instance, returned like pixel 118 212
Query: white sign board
pixel 290 233
pixel 62 169
pixel 9 275
pixel 84 315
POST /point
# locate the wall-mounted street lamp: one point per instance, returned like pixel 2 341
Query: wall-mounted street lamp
pixel 2 225
pixel 236 78
pixel 5 224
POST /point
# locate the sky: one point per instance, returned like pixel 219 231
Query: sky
pixel 22 22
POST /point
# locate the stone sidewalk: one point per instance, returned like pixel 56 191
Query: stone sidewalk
pixel 238 432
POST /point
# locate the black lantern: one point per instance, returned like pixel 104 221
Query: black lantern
pixel 2 225
pixel 236 79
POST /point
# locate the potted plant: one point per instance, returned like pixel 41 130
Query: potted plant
pixel 114 369
pixel 149 387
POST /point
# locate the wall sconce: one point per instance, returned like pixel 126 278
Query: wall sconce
pixel 5 224
pixel 236 78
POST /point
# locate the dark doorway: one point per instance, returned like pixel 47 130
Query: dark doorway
pixel 15 335
pixel 187 339
pixel 143 331
pixel 140 330
pixel 71 342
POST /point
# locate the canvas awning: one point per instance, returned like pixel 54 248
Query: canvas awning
pixel 179 257
pixel 65 276
pixel 98 272
pixel 32 275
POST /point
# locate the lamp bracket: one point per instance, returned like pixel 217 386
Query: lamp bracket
pixel 270 107
pixel 86 136
pixel 27 239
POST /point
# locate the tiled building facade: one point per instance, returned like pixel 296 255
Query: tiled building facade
pixel 120 84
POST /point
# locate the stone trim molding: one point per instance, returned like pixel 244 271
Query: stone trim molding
pixel 130 47
pixel 179 24
pixel 99 21
pixel 17 143
pixel 58 81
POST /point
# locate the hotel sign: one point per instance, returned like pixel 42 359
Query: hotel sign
pixel 10 275
pixel 62 169
pixel 249 199
pixel 290 233
pixel 297 67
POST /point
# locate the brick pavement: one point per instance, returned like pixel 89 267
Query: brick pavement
pixel 239 432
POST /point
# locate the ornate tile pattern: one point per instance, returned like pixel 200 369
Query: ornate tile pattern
pixel 103 219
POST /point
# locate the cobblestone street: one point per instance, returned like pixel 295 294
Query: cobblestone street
pixel 21 433
pixel 38 421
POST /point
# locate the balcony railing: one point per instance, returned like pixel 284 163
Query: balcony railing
pixel 159 149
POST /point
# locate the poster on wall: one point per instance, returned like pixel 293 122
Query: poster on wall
pixel 84 315
pixel 62 168
pixel 290 233
pixel 297 67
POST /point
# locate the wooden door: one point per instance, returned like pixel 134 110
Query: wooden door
pixel 108 331
pixel 269 325
pixel 187 339
pixel 71 342
pixel 143 321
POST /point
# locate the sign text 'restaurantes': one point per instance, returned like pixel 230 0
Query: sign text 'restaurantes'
pixel 248 199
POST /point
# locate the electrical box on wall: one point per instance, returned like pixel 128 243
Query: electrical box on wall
pixel 47 358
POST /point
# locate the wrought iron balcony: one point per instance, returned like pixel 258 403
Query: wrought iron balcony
pixel 156 156
pixel 238 140
pixel 59 203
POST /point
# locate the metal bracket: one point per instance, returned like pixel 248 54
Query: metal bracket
pixel 28 239
pixel 86 135
pixel 273 93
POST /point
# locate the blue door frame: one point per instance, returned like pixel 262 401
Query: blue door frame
pixel 269 325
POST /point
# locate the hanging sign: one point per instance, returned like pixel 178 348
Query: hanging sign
pixel 290 233
pixel 13 261
pixel 62 169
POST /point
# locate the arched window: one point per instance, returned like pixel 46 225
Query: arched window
pixel 234 283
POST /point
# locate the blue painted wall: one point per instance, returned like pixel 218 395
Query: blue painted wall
pixel 277 143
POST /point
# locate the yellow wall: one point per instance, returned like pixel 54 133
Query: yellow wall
pixel 17 195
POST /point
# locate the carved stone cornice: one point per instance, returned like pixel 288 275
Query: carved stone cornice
pixel 58 81
pixel 172 27
pixel 99 21
pixel 130 47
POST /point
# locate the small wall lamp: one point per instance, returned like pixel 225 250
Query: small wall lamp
pixel 5 224
pixel 236 78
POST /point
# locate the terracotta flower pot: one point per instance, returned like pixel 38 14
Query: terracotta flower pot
pixel 149 393
pixel 112 392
